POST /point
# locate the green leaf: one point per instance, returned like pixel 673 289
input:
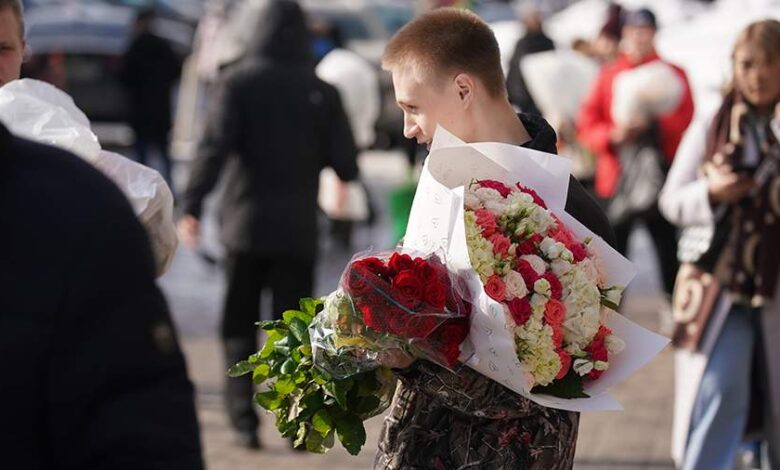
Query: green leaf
pixel 301 435
pixel 367 384
pixel 299 377
pixel 322 422
pixel 270 400
pixel 315 442
pixel 268 325
pixel 300 330
pixel 338 389
pixel 367 405
pixel 289 315
pixel 284 387
pixel 309 306
pixel 242 368
pixel 261 373
pixel 305 350
pixel 270 344
pixel 610 305
pixel 288 367
pixel 571 386
pixel 351 432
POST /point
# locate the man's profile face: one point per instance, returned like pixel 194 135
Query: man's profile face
pixel 426 104
pixel 11 46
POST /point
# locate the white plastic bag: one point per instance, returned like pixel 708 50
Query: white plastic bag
pixel 647 91
pixel 342 201
pixel 38 111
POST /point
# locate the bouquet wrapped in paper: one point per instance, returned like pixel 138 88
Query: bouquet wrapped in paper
pixel 543 287
pixel 389 307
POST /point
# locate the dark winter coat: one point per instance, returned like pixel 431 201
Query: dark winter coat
pixel 92 376
pixel 274 126
pixel 531 43
pixel 442 420
pixel 150 70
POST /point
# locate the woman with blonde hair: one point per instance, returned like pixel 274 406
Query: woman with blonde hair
pixel 725 179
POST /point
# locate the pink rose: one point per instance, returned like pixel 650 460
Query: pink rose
pixel 487 222
pixel 500 244
pixel 554 312
pixel 496 288
pixel 497 185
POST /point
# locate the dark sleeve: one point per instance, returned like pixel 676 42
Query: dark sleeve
pixel 340 149
pixel 219 138
pixel 581 205
pixel 119 393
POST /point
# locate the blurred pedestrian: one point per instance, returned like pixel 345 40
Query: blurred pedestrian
pixel 606 45
pixel 626 152
pixel 93 376
pixel 358 84
pixel 273 126
pixel 12 42
pixel 726 176
pixel 534 41
pixel 151 69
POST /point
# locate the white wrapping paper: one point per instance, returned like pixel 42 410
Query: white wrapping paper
pixel 436 222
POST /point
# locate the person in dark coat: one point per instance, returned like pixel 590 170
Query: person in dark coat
pixel 92 372
pixel 151 69
pixel 534 41
pixel 273 127
pixel 441 419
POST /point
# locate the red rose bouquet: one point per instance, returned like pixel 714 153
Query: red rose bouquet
pixel 389 305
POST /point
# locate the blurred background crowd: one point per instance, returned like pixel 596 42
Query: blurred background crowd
pixel 619 82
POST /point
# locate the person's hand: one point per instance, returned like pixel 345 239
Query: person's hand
pixel 726 186
pixel 629 132
pixel 189 230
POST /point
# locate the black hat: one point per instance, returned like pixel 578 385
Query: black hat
pixel 641 17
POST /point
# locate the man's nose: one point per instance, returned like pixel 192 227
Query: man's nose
pixel 410 128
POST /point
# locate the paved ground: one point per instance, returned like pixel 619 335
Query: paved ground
pixel 637 438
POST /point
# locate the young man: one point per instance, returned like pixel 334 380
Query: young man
pixel 446 71
pixel 11 40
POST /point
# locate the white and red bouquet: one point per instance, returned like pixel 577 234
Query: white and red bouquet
pixel 548 282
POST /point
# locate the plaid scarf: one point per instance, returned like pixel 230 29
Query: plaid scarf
pixel 753 247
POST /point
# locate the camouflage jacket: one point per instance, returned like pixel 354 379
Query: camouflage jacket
pixel 443 420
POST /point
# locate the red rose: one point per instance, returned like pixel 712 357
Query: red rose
pixel 497 185
pixel 526 248
pixel 527 271
pixel 554 312
pixel 424 270
pixel 408 289
pixel 520 309
pixel 358 283
pixel 435 294
pixel 556 288
pixel 500 244
pixel 557 335
pixel 486 220
pixel 496 288
pixel 421 326
pixel 373 265
pixel 579 251
pixel 396 320
pixel 537 199
pixel 565 364
pixel 399 262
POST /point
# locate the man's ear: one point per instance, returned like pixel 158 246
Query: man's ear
pixel 465 87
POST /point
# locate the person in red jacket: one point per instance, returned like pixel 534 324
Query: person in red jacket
pixel 598 132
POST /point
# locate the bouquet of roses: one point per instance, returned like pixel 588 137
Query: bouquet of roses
pixel 389 307
pixel 548 283
pixel 326 365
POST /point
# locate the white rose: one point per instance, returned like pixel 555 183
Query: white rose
pixel 536 262
pixel 488 194
pixel 589 268
pixel 497 207
pixel 567 255
pixel 614 344
pixel 551 248
pixel 542 287
pixel 538 303
pixel 525 227
pixel 542 219
pixel 471 201
pixel 560 267
pixel 515 285
pixel 582 366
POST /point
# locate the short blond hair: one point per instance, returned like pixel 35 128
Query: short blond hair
pixel 448 40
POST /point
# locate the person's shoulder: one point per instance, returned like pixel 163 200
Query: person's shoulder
pixel 59 181
pixel 581 205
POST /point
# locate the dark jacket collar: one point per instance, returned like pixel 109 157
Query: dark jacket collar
pixel 5 142
pixel 542 134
